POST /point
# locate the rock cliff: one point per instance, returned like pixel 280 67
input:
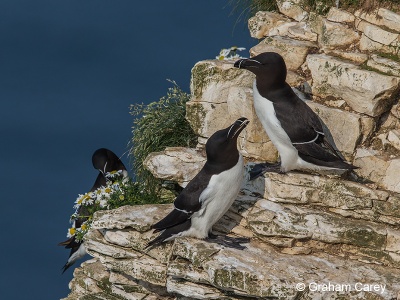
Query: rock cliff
pixel 310 236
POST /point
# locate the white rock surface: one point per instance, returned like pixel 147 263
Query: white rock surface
pixel 292 10
pixel 204 270
pixel 301 31
pixel 356 57
pixel 178 164
pixel 263 22
pixel 340 16
pixel 366 44
pixel 224 95
pixel 357 127
pixel 365 91
pixel 394 138
pixel 384 65
pixel 380 169
pixel 381 17
pixel 334 35
pixel 377 34
pixel 293 51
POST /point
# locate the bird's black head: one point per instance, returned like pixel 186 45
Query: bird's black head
pixel 221 147
pixel 105 161
pixel 269 68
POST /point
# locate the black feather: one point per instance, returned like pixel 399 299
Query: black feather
pixel 175 217
pixel 167 233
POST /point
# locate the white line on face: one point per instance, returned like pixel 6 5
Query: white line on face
pixel 242 122
pixel 227 136
pixel 248 59
pixel 254 60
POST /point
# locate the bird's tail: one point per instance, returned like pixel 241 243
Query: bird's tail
pixel 65 267
pixel 169 234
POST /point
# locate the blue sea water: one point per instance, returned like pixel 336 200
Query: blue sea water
pixel 68 72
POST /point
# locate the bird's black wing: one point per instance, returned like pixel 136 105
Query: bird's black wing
pixel 169 232
pixel 100 181
pixel 186 203
pixel 316 154
pixel 305 131
pixel 297 119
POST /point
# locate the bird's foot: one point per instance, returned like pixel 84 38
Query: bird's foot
pixel 227 241
pixel 260 169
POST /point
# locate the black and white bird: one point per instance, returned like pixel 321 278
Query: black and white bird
pixel 104 161
pixel 294 129
pixel 210 193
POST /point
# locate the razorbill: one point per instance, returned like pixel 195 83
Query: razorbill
pixel 291 125
pixel 104 161
pixel 210 193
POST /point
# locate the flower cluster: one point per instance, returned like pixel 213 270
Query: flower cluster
pixel 99 199
pixel 230 53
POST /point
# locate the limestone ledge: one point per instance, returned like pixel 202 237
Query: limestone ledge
pixel 343 197
pixel 122 269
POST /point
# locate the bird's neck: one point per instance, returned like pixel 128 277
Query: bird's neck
pixel 271 91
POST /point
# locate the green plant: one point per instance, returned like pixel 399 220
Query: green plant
pixel 245 9
pixel 117 192
pixel 156 126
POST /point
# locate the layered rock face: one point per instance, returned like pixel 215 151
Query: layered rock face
pixel 310 236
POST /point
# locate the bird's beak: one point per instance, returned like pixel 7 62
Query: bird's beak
pixel 237 127
pixel 247 63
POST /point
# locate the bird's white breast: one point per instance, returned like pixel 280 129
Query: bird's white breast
pixel 78 254
pixel 216 199
pixel 266 114
pixel 290 159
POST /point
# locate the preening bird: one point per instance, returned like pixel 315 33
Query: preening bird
pixel 104 161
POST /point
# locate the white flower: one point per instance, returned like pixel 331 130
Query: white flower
pixel 113 174
pixel 229 54
pixel 223 54
pixel 79 199
pixel 73 217
pixel 85 199
pixel 115 181
pixel 116 187
pixel 235 48
pixel 71 231
pixel 103 203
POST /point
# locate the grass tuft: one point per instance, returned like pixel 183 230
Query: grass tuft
pixel 245 9
pixel 156 126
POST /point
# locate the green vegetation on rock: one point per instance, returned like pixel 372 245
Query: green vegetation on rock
pixel 245 9
pixel 156 126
